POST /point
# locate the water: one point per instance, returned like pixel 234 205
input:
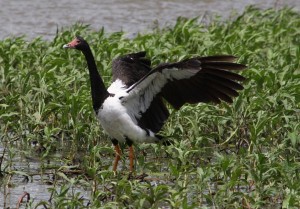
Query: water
pixel 43 17
pixel 38 175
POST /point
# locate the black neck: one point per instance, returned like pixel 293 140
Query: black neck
pixel 98 90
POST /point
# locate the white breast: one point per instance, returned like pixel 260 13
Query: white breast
pixel 116 119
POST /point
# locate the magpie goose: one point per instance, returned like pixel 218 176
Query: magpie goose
pixel 132 109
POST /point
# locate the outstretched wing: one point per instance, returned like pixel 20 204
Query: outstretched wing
pixel 130 68
pixel 201 79
pixel 213 83
pixel 155 116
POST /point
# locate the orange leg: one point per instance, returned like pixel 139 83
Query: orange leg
pixel 131 158
pixel 117 157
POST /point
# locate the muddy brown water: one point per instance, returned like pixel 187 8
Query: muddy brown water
pixel 34 18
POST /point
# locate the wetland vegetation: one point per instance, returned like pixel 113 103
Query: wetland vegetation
pixel 240 155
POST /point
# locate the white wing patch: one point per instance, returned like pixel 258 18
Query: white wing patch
pixel 116 87
pixel 141 96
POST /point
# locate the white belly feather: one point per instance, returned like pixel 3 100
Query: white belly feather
pixel 117 122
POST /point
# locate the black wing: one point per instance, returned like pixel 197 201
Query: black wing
pixel 155 116
pixel 201 79
pixel 130 68
pixel 213 83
